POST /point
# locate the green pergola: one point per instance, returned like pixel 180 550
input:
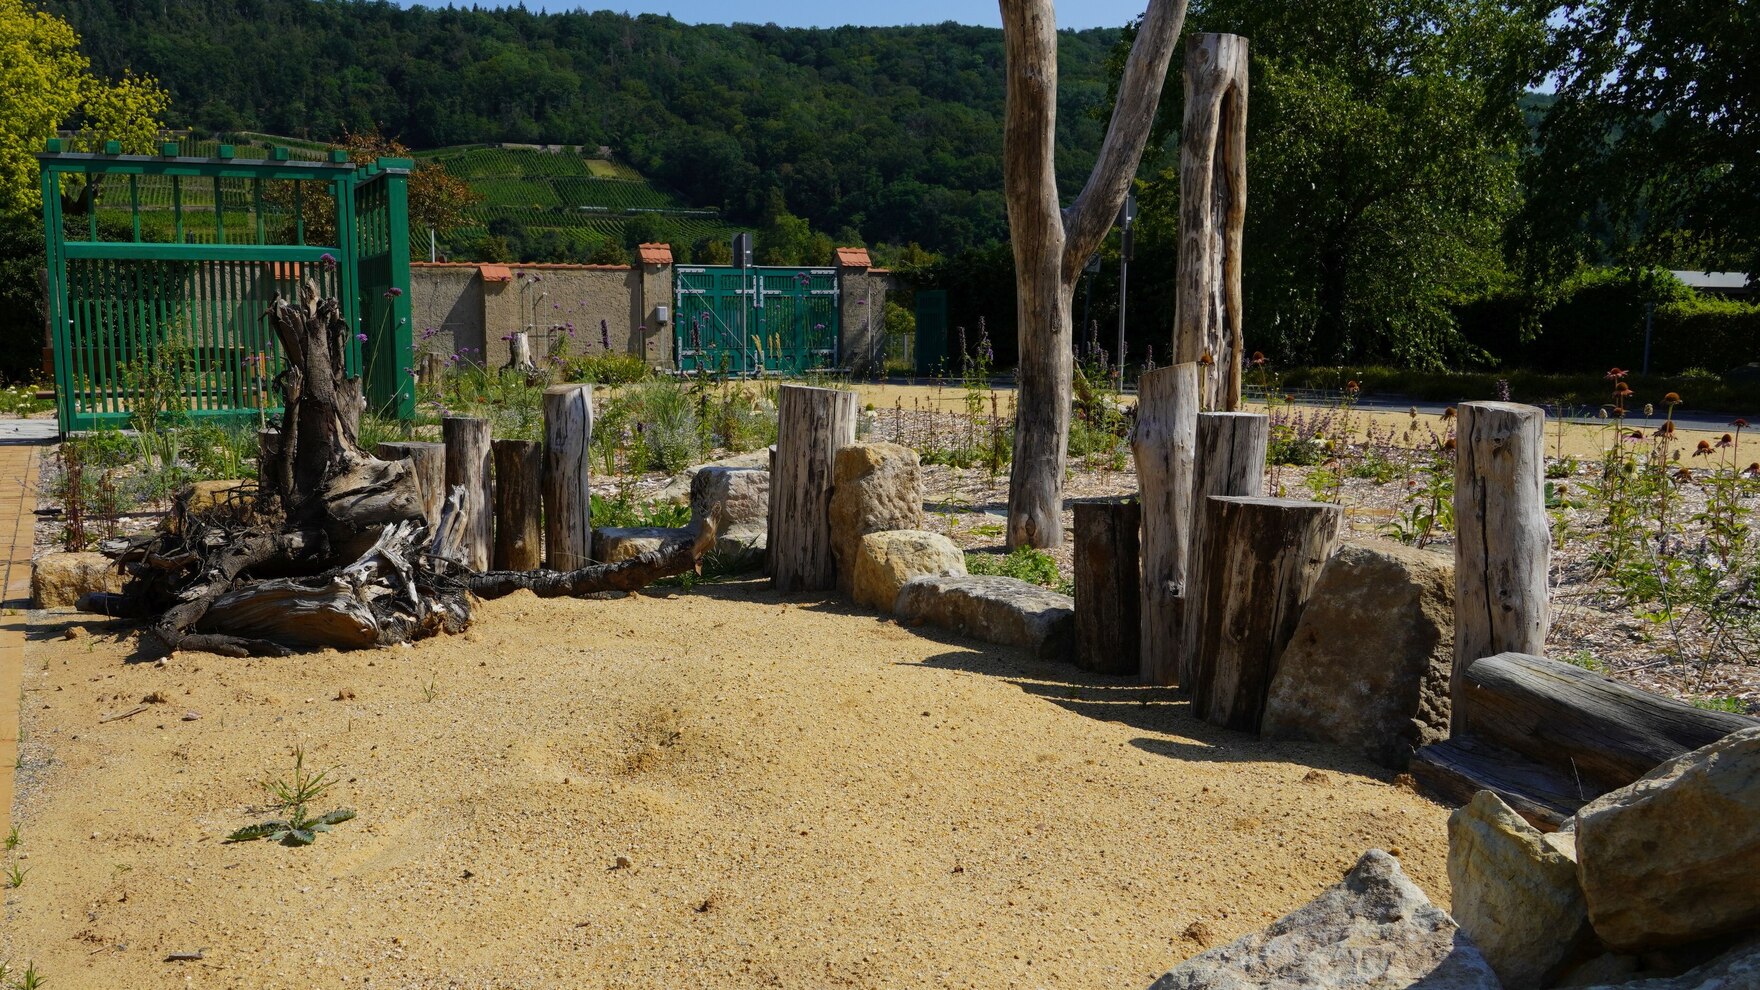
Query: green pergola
pixel 167 263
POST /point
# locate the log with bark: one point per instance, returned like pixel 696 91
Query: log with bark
pixel 339 552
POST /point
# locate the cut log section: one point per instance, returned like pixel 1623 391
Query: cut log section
pixel 429 462
pixel 1107 574
pixel 1259 560
pixel 519 515
pixel 1229 459
pixel 1163 446
pixel 1456 769
pixel 468 465
pixel 812 423
pixel 568 507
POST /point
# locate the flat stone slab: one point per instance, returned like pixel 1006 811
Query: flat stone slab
pixel 618 543
pixel 995 609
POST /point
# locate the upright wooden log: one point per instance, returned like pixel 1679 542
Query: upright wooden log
pixel 1229 460
pixel 812 423
pixel 467 465
pixel 1166 435
pixel 1213 210
pixel 568 507
pixel 1502 547
pixel 519 352
pixel 429 460
pixel 1108 579
pixel 519 499
pixel 433 366
pixel 1259 560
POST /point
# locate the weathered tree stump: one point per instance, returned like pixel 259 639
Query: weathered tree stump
pixel 468 465
pixel 1108 575
pixel 1502 544
pixel 1229 460
pixel 1213 210
pixel 519 353
pixel 1163 446
pixel 519 499
pixel 1253 571
pixel 568 506
pixel 812 423
pixel 431 368
pixel 429 461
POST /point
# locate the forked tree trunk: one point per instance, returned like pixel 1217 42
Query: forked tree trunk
pixel 1052 244
pixel 1212 214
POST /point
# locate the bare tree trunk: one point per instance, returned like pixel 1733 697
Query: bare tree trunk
pixel 568 454
pixel 1212 213
pixel 1051 245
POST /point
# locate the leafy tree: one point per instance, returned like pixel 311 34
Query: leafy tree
pixel 609 252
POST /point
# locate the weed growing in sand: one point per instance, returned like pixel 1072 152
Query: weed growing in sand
pixel 30 979
pixel 15 876
pixel 291 794
pixel 12 839
pixel 431 687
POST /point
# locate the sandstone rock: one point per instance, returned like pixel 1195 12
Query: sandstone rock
pixel 678 490
pixel 213 494
pixel 995 609
pixel 60 579
pixel 1674 857
pixel 1737 969
pixel 892 557
pixel 615 543
pixel 1515 892
pixel 743 496
pixel 1369 662
pixel 875 487
pixel 1373 929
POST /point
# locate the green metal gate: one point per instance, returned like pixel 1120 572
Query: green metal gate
pixel 753 320
pixel 160 269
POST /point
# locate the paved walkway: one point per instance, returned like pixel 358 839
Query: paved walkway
pixel 22 446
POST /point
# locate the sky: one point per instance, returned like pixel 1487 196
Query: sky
pixel 819 13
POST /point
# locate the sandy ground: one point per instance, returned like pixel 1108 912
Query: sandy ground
pixel 808 797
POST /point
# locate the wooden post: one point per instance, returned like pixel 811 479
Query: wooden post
pixel 812 423
pixel 1213 211
pixel 429 460
pixel 433 367
pixel 568 455
pixel 1502 547
pixel 1260 558
pixel 467 465
pixel 1108 606
pixel 1229 460
pixel 519 483
pixel 519 352
pixel 1167 425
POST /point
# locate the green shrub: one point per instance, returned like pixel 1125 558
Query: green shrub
pixel 620 511
pixel 607 369
pixel 1026 563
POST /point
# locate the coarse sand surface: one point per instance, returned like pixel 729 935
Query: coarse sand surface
pixel 805 796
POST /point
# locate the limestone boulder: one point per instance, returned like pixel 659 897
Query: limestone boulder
pixel 890 558
pixel 995 609
pixel 678 490
pixel 1373 930
pixel 742 496
pixel 215 494
pixel 1515 892
pixel 1736 969
pixel 1368 665
pixel 617 543
pixel 61 579
pixel 875 487
pixel 1674 856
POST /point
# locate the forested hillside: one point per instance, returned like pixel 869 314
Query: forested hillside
pixel 894 133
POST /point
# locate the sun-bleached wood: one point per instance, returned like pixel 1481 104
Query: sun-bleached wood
pixel 1502 545
pixel 1212 215
pixel 519 499
pixel 568 507
pixel 468 465
pixel 1258 562
pixel 1163 447
pixel 1107 577
pixel 1229 459
pixel 429 461
pixel 811 424
pixel 1052 244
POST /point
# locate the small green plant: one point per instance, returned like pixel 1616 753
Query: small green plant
pixel 15 876
pixel 430 687
pixel 291 794
pixel 1586 660
pixel 1735 706
pixel 622 511
pixel 30 979
pixel 12 839
pixel 1026 563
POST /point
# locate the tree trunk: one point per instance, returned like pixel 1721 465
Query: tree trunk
pixel 519 485
pixel 1167 418
pixel 429 462
pixel 1212 214
pixel 1051 245
pixel 519 353
pixel 1229 460
pixel 568 455
pixel 1502 546
pixel 1107 578
pixel 812 423
pixel 1254 569
pixel 467 464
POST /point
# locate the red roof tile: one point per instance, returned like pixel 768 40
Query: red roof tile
pixel 654 254
pixel 854 258
pixel 496 273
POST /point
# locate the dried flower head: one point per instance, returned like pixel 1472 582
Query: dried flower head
pixel 1352 388
pixel 1448 414
pixel 1703 450
pixel 1258 358
pixel 1448 444
pixel 1684 474
pixel 1622 390
pixel 1740 424
pixel 1672 399
pixel 1615 374
pixel 1725 441
pixel 1649 410
pixel 1752 470
pixel 1665 430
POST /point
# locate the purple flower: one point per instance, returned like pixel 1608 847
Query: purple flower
pixel 328 260
pixel 361 337
pixel 429 333
pixel 393 292
pixel 411 372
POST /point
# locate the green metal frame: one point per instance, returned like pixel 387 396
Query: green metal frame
pixel 120 306
pixel 746 320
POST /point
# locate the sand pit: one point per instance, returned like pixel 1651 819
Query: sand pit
pixel 808 797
